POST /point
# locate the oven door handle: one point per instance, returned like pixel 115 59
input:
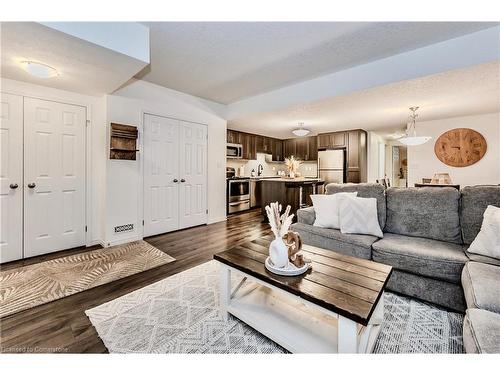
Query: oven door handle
pixel 238 203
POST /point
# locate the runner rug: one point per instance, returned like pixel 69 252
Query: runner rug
pixel 29 286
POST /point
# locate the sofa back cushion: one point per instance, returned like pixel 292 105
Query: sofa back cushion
pixel 429 212
pixel 365 190
pixel 475 199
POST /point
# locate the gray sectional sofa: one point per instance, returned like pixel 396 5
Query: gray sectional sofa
pixel 426 235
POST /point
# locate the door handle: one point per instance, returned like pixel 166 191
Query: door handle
pixel 183 180
pixel 176 180
pixel 31 185
pixel 13 186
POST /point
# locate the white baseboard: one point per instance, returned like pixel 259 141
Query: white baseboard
pixel 122 241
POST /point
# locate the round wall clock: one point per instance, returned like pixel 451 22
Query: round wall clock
pixel 460 147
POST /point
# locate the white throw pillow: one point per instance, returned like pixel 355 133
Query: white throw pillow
pixel 326 208
pixel 359 216
pixel 487 241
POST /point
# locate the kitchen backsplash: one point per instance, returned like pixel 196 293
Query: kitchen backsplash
pixel 307 168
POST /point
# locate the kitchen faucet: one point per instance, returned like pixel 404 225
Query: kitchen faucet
pixel 260 168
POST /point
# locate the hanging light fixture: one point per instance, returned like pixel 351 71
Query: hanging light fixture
pixel 301 131
pixel 411 138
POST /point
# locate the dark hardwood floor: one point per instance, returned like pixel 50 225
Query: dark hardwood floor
pixel 62 326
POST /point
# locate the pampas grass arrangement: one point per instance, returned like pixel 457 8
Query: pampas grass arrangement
pixel 280 223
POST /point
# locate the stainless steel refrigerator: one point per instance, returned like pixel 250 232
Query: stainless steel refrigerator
pixel 331 166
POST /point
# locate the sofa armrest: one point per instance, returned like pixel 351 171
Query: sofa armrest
pixel 306 215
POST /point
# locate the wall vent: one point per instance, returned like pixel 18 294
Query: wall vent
pixel 124 228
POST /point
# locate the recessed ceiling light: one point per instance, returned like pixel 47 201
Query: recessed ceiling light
pixel 39 70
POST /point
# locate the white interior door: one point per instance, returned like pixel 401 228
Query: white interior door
pixel 11 177
pixel 193 173
pixel 54 176
pixel 161 175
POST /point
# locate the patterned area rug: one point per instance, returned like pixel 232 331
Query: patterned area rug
pixel 25 287
pixel 180 315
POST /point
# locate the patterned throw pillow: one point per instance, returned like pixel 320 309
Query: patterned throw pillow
pixel 487 241
pixel 326 209
pixel 359 216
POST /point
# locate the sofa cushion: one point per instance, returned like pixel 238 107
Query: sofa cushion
pixel 482 259
pixel 475 199
pixel 428 212
pixel 438 292
pixel 365 190
pixel 481 283
pixel 358 245
pixel 421 256
pixel 306 216
pixel 481 331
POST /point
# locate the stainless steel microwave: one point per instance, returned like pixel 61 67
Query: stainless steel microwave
pixel 234 151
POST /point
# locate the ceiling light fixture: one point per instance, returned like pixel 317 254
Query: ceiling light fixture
pixel 411 138
pixel 39 70
pixel 301 131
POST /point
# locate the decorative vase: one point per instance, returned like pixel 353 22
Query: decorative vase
pixel 278 252
pixel 291 174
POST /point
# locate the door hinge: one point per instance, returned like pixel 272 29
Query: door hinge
pixel 87 122
pixel 85 228
pixel 207 210
pixel 143 223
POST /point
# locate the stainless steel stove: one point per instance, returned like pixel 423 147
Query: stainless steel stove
pixel 238 192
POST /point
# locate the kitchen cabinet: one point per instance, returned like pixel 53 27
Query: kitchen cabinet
pixel 305 148
pixel 312 148
pixel 263 144
pixel 301 145
pixel 248 143
pixel 356 156
pixel 289 146
pixel 233 136
pixel 332 140
pixel 277 149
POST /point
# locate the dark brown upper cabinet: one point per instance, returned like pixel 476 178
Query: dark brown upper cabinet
pixel 332 140
pixel 264 144
pixel 248 143
pixel 277 149
pixel 233 136
pixel 312 148
pixel 305 148
pixel 289 146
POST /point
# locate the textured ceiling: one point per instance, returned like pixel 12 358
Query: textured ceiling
pixel 454 93
pixel 226 62
pixel 83 67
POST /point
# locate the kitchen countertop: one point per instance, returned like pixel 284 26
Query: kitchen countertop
pixel 298 181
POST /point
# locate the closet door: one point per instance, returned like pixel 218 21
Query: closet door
pixel 193 173
pixel 161 175
pixel 54 176
pixel 11 177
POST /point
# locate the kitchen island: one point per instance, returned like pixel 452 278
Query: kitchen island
pixel 288 191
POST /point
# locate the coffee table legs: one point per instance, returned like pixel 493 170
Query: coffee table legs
pixel 225 290
pixel 347 335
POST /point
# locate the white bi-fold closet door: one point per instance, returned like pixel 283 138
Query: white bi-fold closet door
pixel 43 177
pixel 175 174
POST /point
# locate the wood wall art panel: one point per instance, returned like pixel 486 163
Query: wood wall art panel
pixel 123 142
pixel 460 147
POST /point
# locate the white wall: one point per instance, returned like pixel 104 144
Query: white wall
pixel 96 147
pixel 422 162
pixel 374 157
pixel 124 178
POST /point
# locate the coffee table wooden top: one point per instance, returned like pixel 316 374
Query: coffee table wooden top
pixel 343 284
